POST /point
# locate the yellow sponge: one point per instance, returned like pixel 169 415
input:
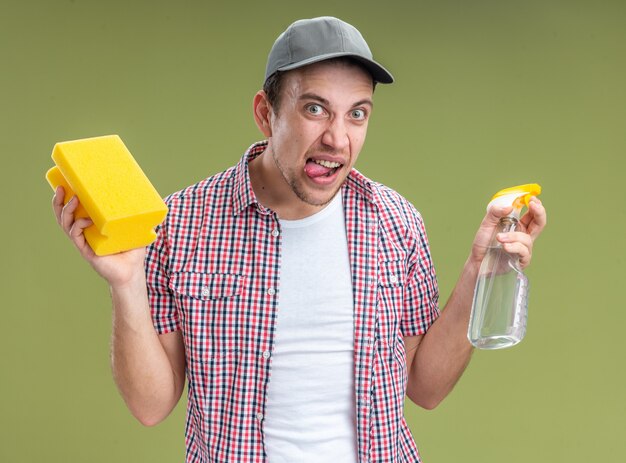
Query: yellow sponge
pixel 112 189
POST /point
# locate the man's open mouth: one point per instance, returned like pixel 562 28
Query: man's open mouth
pixel 320 168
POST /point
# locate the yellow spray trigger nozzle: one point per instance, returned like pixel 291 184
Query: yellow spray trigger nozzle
pixel 516 196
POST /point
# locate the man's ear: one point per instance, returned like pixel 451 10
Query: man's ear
pixel 262 113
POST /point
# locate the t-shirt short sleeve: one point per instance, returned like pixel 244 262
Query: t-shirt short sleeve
pixel 160 298
pixel 421 296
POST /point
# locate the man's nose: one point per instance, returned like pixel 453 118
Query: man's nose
pixel 336 134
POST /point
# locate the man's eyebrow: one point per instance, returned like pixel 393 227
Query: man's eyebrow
pixel 324 101
pixel 366 101
pixel 313 96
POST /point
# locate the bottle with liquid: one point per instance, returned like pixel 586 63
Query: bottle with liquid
pixel 500 305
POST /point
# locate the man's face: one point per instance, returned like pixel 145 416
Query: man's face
pixel 320 128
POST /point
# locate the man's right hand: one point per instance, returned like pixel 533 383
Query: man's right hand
pixel 118 269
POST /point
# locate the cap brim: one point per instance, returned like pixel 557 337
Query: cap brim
pixel 379 73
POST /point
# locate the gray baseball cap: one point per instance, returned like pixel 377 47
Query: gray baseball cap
pixel 308 41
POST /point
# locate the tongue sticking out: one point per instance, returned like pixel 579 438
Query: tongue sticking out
pixel 313 169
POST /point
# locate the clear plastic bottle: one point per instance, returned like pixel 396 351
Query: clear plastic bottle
pixel 500 305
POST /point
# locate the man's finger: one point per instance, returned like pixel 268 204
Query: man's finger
pixel 79 226
pixel 513 237
pixel 67 214
pixel 77 236
pixel 57 203
pixel 519 243
pixel 521 250
pixel 535 219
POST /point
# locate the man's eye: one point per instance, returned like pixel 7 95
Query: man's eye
pixel 314 109
pixel 358 114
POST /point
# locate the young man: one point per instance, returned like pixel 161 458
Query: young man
pixel 297 295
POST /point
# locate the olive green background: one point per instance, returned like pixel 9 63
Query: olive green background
pixel 489 94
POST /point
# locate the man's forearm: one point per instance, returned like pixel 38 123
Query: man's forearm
pixel 444 352
pixel 141 367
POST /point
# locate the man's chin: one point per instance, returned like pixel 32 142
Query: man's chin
pixel 318 198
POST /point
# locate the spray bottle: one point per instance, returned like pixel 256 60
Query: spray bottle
pixel 499 309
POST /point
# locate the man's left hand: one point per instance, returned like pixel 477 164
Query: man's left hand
pixel 519 242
